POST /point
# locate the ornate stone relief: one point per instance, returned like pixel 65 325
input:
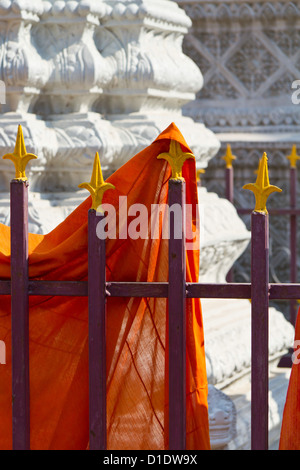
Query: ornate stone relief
pixel 88 78
pixel 240 10
pixel 249 56
pixel 222 419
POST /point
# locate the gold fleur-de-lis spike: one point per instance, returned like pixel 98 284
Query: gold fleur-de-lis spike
pixel 262 188
pixel 228 157
pixel 176 158
pixel 293 157
pixel 199 172
pixel 20 157
pixel 97 185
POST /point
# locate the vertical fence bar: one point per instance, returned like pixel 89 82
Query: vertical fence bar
pixel 97 334
pixel 260 335
pixel 177 320
pixel 229 189
pixel 229 183
pixel 229 196
pixel 20 315
pixel 293 238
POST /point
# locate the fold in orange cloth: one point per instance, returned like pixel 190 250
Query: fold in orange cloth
pixel 290 427
pixel 136 328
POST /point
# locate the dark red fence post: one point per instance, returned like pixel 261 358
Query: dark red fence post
pixel 97 334
pixel 293 239
pixel 229 183
pixel 19 295
pixel 177 320
pixel 20 315
pixel 97 311
pixel 260 307
pixel 229 189
pixel 177 297
pixel 293 226
pixel 259 331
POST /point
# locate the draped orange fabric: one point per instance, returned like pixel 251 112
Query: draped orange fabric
pixel 290 428
pixel 136 328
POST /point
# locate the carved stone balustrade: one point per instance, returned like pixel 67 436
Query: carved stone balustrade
pixel 87 76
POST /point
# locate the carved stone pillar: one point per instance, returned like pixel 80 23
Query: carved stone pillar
pixel 86 76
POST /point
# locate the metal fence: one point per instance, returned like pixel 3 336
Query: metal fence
pixel 176 290
pixel 292 212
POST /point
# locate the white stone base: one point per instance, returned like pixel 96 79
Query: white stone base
pixel 239 393
pixel 227 333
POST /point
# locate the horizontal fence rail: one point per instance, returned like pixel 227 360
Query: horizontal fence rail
pixel 278 291
pixel 176 290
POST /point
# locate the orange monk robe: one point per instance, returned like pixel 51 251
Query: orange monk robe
pixel 290 428
pixel 136 328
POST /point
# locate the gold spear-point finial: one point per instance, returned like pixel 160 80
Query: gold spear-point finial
pixel 228 157
pixel 262 188
pixel 293 157
pixel 199 172
pixel 97 185
pixel 20 157
pixel 176 158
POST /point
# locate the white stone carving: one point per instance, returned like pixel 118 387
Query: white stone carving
pixel 228 344
pixel 248 54
pixel 222 418
pixel 85 76
pixel 88 78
